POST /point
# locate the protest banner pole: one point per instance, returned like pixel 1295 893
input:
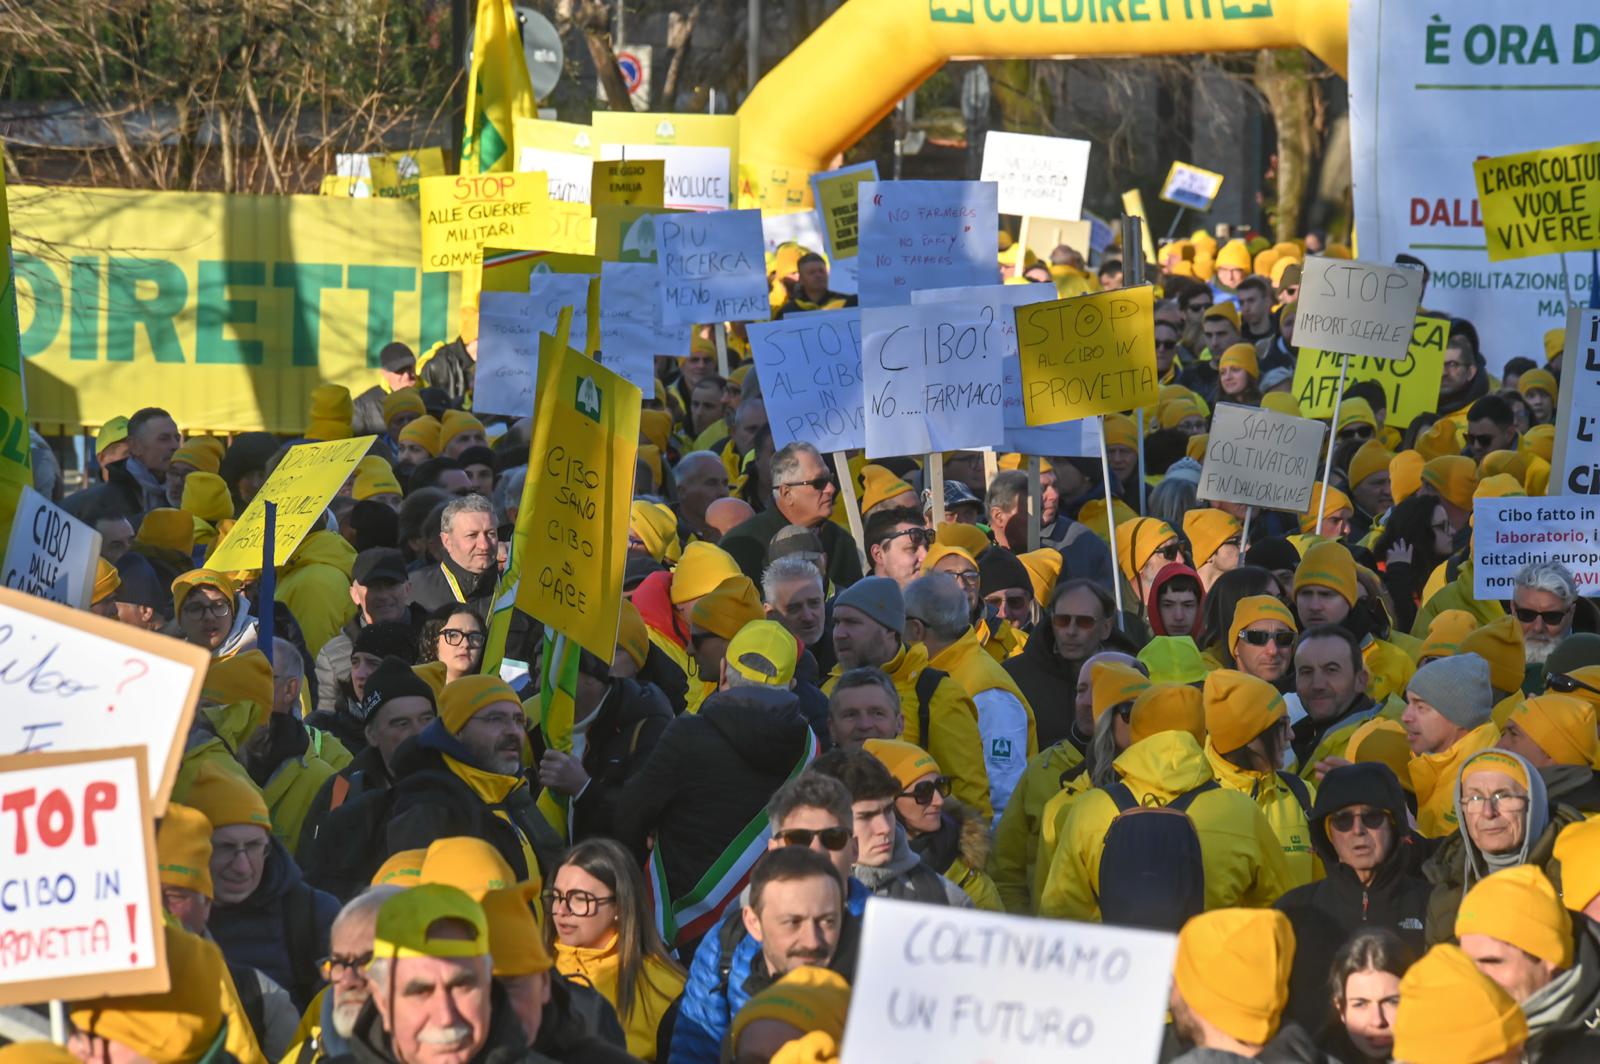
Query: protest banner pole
pixel 1566 277
pixel 1111 525
pixel 934 482
pixel 852 507
pixel 1140 427
pixel 267 590
pixel 1035 500
pixel 719 333
pixel 1333 427
pixel 991 466
pixel 1244 536
pixel 58 1021
pixel 1173 228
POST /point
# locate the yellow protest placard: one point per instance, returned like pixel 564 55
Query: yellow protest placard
pixel 585 439
pixel 626 234
pixel 701 152
pixel 301 486
pixel 397 175
pixel 1411 384
pixel 1189 186
pixel 836 204
pixel 462 214
pixel 1093 354
pixel 631 183
pixel 1540 202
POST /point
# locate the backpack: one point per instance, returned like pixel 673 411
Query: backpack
pixel 1151 871
pixel 1297 787
pixel 351 843
pixel 927 683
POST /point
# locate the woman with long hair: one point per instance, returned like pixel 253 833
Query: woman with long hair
pixel 1222 600
pixel 1365 985
pixel 453 635
pixel 1414 542
pixel 1239 376
pixel 601 926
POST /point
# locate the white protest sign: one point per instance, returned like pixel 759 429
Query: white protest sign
pixel 712 267
pixel 569 173
pixel 994 305
pixel 73 680
pixel 1509 533
pixel 82 909
pixel 51 554
pixel 931 383
pixel 696 178
pixel 631 331
pixel 1261 458
pixel 1037 175
pixel 962 986
pixel 926 234
pixel 555 292
pixel 799 227
pixel 1356 308
pixel 810 368
pixel 508 353
pixel 1575 463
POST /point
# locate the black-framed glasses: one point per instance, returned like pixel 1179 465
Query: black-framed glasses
pixel 456 636
pixel 578 902
pixel 1359 431
pixel 333 965
pixel 197 608
pixel 968 577
pixel 1345 819
pixel 1482 439
pixel 818 484
pixel 834 839
pixel 1499 801
pixel 1566 684
pixel 919 537
pixel 1257 638
pixel 1171 552
pixel 1551 618
pixel 922 793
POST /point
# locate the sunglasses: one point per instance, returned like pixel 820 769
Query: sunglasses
pixel 1063 621
pixel 834 839
pixel 1171 551
pixel 923 792
pixel 1162 345
pixel 1345 819
pixel 1480 439
pixel 919 537
pixel 1551 618
pixel 1356 432
pixel 818 484
pixel 1562 682
pixel 1285 640
pixel 1197 308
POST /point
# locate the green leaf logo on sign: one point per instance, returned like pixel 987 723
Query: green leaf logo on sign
pixel 588 399
pixel 950 10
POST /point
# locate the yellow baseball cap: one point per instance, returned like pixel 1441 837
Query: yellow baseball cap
pixel 764 652
pixel 408 924
pixel 113 431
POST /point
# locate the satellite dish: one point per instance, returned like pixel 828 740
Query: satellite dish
pixel 541 50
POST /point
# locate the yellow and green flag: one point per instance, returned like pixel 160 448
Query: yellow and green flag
pixel 498 91
pixel 16 468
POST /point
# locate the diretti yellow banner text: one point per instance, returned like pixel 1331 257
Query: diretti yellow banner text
pixel 225 310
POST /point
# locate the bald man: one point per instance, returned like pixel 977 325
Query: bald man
pixel 702 480
pixel 724 515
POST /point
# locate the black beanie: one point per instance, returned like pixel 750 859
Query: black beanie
pixel 392 679
pixel 1274 552
pixel 387 639
pixel 999 569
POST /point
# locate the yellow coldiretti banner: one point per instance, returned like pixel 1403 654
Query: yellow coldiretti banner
pixel 300 486
pixel 1094 354
pixel 1540 202
pixel 16 467
pixel 462 214
pixel 563 150
pixel 585 439
pixel 397 174
pixel 701 153
pixel 224 310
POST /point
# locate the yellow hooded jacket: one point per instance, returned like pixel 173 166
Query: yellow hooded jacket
pixel 654 991
pixel 1244 863
pixel 289 794
pixel 1455 595
pixel 315 585
pixel 1433 778
pixel 1051 819
pixel 1388 667
pixel 1016 837
pixel 1281 808
pixel 954 741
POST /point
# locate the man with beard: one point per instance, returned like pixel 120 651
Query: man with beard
pixel 1463 380
pixel 349 953
pixel 1546 603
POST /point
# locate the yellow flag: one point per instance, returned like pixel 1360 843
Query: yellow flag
pixel 498 91
pixel 16 468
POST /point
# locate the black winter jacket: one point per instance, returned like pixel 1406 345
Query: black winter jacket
pixel 1050 682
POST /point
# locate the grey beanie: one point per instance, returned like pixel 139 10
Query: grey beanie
pixel 1457 688
pixel 879 598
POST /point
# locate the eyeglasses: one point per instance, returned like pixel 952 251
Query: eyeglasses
pixel 1498 801
pixel 923 792
pixel 1063 621
pixel 255 850
pixel 919 537
pixel 1016 602
pixel 969 577
pixel 1257 638
pixel 578 902
pixel 1482 439
pixel 1345 819
pixel 1441 527
pixel 1356 432
pixel 1551 618
pixel 834 839
pixel 219 610
pixel 333 965
pixel 1562 682
pixel 817 484
pixel 455 637
pixel 1171 551
pixel 1162 345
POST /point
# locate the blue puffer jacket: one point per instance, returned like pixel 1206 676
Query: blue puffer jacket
pixel 281 929
pixel 708 1006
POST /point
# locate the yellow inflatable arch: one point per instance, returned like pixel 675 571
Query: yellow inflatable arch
pixel 857 66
